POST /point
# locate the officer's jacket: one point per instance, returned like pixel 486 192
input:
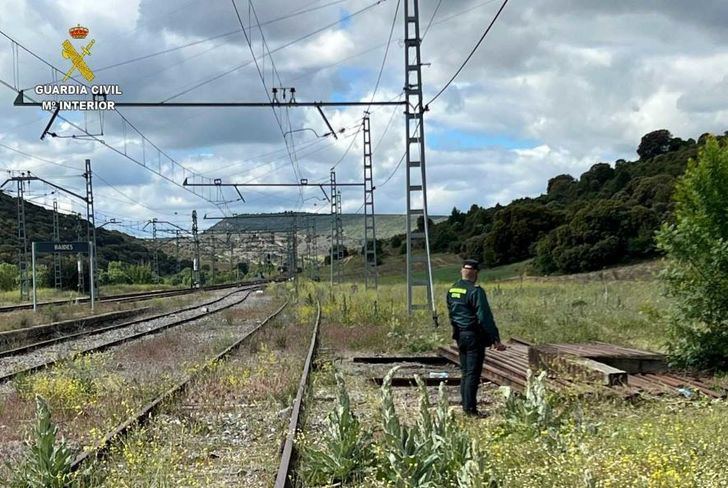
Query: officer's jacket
pixel 469 310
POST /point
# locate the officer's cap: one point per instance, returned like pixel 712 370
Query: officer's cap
pixel 471 264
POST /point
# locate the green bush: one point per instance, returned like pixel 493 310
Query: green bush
pixel 116 274
pixel 696 277
pixel 139 274
pixel 8 276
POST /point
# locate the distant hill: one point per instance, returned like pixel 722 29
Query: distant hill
pixel 387 225
pixel 112 245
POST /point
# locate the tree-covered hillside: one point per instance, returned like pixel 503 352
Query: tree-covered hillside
pixel 607 216
pixel 112 245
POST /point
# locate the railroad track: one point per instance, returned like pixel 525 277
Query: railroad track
pixel 95 331
pixel 140 417
pixel 127 338
pixel 125 297
pixel 288 454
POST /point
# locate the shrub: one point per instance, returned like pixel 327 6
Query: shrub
pixel 433 452
pixel 696 276
pixel 8 276
pixel 533 413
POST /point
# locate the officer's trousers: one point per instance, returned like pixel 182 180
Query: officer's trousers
pixel 472 354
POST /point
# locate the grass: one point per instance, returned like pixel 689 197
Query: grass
pixel 12 297
pixel 659 444
pixel 630 313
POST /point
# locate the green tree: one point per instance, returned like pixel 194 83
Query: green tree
pixel 116 274
pixel 696 277
pixel 140 274
pixel 654 144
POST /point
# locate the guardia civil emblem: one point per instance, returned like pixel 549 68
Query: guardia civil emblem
pixel 77 59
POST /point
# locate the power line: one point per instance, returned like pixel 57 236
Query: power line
pixel 215 37
pixel 472 52
pixel 262 78
pixel 429 24
pixel 43 160
pixel 275 50
pixel 386 52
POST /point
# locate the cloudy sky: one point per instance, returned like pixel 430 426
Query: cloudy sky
pixel 557 86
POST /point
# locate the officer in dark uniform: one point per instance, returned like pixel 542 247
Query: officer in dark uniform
pixel 473 328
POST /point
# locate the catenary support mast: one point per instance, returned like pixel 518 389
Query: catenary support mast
pixel 420 293
pixel 370 236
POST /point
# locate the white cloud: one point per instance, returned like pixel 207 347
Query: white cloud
pixel 573 83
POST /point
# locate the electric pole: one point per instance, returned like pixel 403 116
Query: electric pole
pixel 91 223
pixel 370 236
pixel 339 237
pixel 334 227
pixel 79 257
pixel 419 268
pixel 56 256
pixel 22 243
pixel 155 249
pixel 196 259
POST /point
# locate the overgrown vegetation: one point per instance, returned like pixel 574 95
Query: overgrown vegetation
pixel 432 451
pixel 696 277
pixel 345 450
pixel 534 439
pixel 535 412
pixel 631 313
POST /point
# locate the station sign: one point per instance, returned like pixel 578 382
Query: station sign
pixel 74 247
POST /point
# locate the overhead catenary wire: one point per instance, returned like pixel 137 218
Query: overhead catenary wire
pixel 262 79
pixel 275 50
pixel 386 53
pixel 96 137
pixel 472 53
pixel 215 37
pixel 480 41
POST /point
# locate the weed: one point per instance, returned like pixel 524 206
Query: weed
pixel 47 463
pixel 534 413
pixel 434 451
pixel 345 453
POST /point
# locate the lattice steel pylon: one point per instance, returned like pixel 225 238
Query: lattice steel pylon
pixel 155 255
pixel 419 266
pixel 339 237
pixel 58 280
pixel 196 258
pixel 91 224
pixel 333 255
pixel 79 257
pixel 371 277
pixel 22 244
